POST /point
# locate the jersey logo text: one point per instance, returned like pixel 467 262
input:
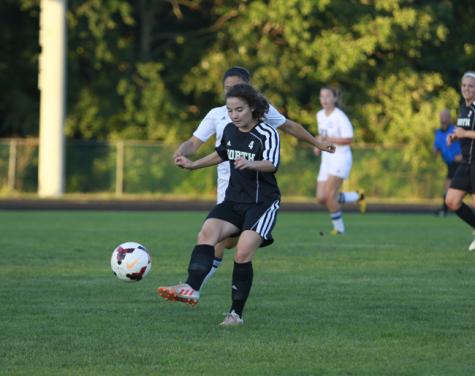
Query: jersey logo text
pixel 238 154
pixel 463 122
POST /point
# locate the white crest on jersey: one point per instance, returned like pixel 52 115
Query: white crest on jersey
pixel 229 143
pixel 251 144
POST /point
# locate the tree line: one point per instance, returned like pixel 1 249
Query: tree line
pixel 151 69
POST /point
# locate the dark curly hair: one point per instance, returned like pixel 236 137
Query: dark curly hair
pixel 253 98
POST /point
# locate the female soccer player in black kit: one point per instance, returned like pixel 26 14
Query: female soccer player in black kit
pixel 251 200
pixel 464 180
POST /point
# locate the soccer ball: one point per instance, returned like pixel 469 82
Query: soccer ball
pixel 131 262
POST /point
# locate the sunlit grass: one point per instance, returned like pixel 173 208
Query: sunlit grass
pixel 392 297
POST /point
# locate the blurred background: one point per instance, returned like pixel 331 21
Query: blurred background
pixel 140 75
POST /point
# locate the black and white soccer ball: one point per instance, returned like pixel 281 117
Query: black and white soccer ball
pixel 131 262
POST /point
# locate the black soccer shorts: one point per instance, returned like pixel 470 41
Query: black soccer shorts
pixel 451 168
pixel 464 178
pixel 260 218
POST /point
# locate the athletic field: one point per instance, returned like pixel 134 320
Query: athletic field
pixel 395 296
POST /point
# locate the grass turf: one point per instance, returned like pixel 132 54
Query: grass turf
pixel 395 296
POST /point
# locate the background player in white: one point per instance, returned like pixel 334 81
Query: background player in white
pixel 335 127
pixel 214 123
pixel 251 202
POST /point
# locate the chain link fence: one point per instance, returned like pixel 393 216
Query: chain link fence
pixel 141 168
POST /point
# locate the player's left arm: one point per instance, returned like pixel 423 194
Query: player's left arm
pixel 461 133
pixel 339 140
pixel 262 166
pixel 300 133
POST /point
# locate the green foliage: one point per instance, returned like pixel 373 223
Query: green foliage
pixel 150 70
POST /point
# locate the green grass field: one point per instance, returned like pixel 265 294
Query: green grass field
pixel 395 296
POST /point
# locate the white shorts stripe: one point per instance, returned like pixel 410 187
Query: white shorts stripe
pixel 266 222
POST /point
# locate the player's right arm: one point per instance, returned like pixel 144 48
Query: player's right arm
pixel 210 160
pixel 205 130
pixel 189 147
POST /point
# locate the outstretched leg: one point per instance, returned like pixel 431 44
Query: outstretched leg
pixel 201 261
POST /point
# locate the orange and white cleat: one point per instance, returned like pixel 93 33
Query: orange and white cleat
pixel 182 292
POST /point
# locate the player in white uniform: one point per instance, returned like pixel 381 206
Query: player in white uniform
pixel 335 127
pixel 214 123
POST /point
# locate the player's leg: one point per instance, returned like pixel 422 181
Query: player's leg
pixel 221 184
pixel 201 261
pixel 243 275
pixel 324 193
pixel 326 196
pixel 444 209
pixel 471 247
pixel 354 196
pixel 462 183
pixel 219 254
pixel 258 224
pixel 454 200
pixel 341 167
pixel 332 188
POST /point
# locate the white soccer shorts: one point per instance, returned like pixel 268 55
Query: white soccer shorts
pixel 335 164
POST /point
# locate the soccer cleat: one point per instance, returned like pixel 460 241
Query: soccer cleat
pixel 182 292
pixel 362 201
pixel 471 247
pixel 336 232
pixel 232 319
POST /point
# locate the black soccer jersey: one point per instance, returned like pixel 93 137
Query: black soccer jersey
pixel 466 120
pixel 260 143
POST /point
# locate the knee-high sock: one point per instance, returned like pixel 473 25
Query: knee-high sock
pixel 242 283
pixel 337 221
pixel 201 262
pixel 466 214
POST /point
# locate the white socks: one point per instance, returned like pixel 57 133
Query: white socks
pixel 348 197
pixel 216 262
pixel 337 220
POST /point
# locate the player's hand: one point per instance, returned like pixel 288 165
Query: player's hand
pixel 330 148
pixel 183 162
pixel 327 146
pixel 242 164
pixel 316 151
pixel 459 133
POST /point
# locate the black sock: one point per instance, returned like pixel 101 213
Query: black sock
pixel 242 282
pixel 466 214
pixel 201 262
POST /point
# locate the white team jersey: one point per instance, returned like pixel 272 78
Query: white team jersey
pixel 216 120
pixel 335 125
